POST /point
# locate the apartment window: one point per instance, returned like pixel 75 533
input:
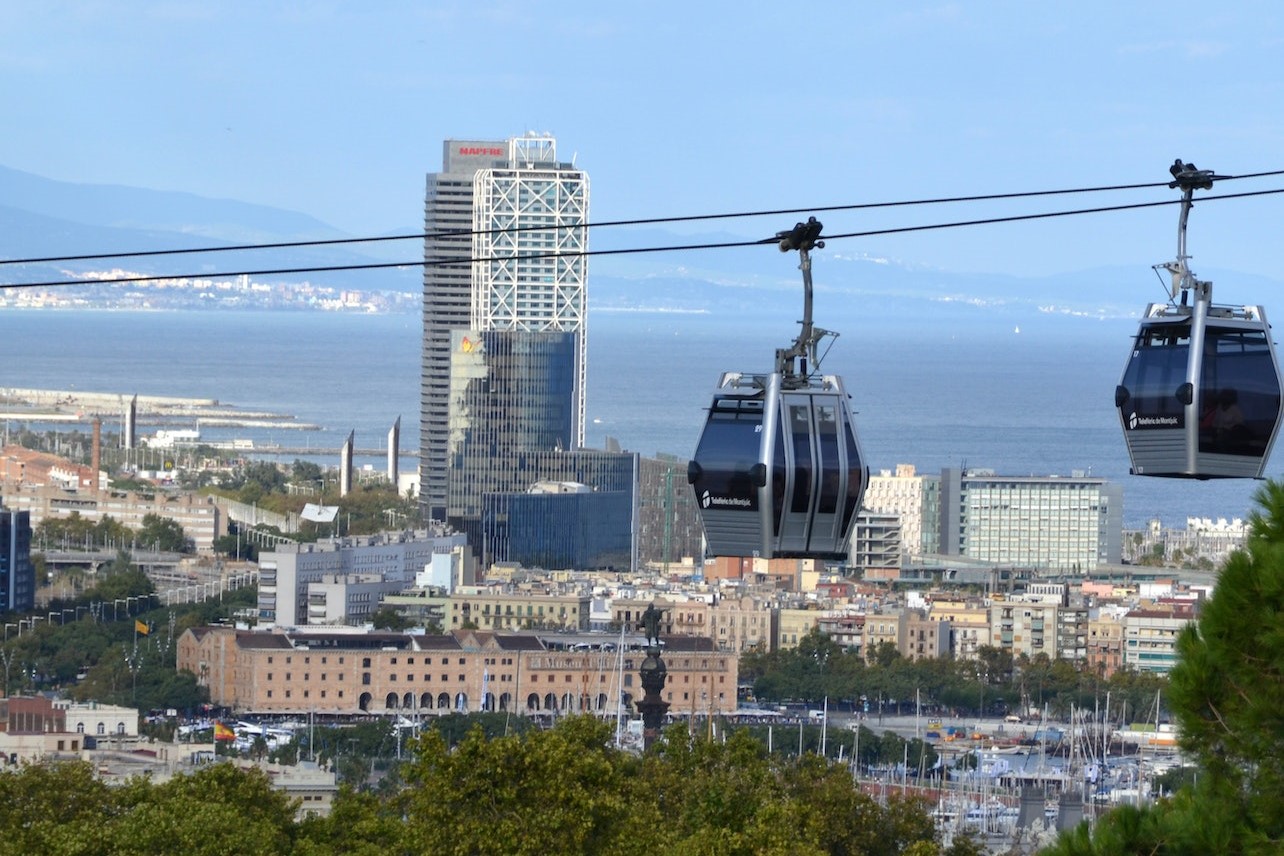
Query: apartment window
pixel 365 662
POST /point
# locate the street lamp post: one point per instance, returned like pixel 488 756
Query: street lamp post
pixel 6 656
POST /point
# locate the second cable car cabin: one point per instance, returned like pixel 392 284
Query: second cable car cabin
pixel 778 470
pixel 1200 396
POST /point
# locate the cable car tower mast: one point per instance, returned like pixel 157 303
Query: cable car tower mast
pixel 796 363
pixel 1188 178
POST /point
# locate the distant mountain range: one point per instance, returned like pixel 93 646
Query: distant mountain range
pixel 41 217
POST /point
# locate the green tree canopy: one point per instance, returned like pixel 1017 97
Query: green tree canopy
pixel 163 533
pixel 1227 695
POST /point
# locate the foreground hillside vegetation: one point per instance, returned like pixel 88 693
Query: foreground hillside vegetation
pixel 563 791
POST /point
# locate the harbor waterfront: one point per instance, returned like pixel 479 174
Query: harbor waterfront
pixel 1035 403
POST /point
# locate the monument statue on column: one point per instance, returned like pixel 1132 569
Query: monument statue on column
pixel 654 674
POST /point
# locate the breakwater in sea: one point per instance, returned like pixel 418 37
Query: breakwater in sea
pixel 62 406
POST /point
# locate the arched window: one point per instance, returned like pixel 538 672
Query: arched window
pixel 364 704
pixel 120 728
pixel 80 728
pixel 408 701
pixel 425 701
pixel 443 702
pixel 532 701
pixel 391 701
pixel 461 702
pixel 550 703
pixel 102 728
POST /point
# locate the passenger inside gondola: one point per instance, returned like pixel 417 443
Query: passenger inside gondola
pixel 1228 433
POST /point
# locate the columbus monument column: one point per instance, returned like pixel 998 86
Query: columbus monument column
pixel 652 706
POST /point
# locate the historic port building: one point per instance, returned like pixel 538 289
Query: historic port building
pixel 537 674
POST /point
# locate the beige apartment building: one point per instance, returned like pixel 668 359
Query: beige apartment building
pixel 794 624
pixel 734 624
pixel 900 493
pixel 517 609
pixel 336 672
pixel 1150 637
pixel 883 627
pixel 1024 627
pixel 927 637
pixel 970 625
pixel 1105 644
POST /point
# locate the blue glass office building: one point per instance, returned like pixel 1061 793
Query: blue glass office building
pixel 511 400
pixel 17 573
pixel 577 529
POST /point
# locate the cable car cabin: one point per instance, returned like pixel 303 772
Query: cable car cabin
pixel 1200 396
pixel 778 472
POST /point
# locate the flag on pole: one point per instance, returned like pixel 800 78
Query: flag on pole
pixel 222 733
pixel 141 628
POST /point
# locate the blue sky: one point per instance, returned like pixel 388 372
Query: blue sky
pixel 338 109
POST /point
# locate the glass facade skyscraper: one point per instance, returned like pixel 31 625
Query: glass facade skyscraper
pixel 511 399
pixel 505 226
pixel 17 573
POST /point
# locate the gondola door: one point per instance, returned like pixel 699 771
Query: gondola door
pixel 803 461
pixel 825 470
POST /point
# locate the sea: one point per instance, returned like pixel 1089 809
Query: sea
pixel 1032 398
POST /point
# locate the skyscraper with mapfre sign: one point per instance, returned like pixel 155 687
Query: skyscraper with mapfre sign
pixel 506 226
